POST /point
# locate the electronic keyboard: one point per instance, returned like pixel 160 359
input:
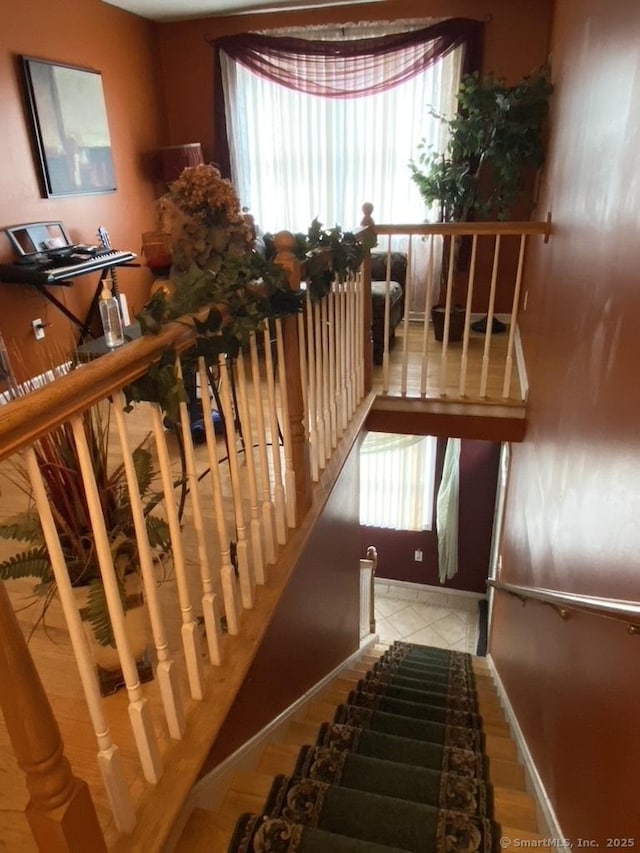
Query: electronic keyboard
pixel 48 272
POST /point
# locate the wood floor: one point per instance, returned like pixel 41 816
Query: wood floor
pixel 52 652
pixel 497 353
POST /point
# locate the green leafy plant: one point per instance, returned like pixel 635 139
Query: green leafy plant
pixel 325 253
pixel 499 130
pixel 58 462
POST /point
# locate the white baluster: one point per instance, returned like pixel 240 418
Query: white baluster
pixel 165 670
pixel 427 314
pixel 405 321
pixel 189 629
pixel 487 334
pixel 227 571
pixel 289 473
pixel 109 759
pixel 268 512
pixel 467 318
pixel 447 319
pixel 304 376
pixel 326 412
pixel 331 328
pixel 139 712
pixel 514 316
pixel 358 335
pixel 242 545
pixel 387 309
pixel 313 410
pixel 278 488
pixel 322 455
pixel 352 338
pixel 209 601
pixel 247 435
pixel 342 345
pixel 358 341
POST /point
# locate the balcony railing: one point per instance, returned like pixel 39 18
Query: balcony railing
pixel 471 271
pixel 230 506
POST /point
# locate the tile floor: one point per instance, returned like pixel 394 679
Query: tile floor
pixel 430 618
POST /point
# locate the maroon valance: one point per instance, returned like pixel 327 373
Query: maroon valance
pixel 341 69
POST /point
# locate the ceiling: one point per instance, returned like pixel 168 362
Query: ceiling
pixel 178 10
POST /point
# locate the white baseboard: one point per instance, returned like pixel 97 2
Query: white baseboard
pixel 548 825
pixel 209 791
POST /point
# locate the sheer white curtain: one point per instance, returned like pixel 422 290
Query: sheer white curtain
pixel 296 156
pixel 447 511
pixel 397 481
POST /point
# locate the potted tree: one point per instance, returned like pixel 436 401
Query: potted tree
pixel 59 465
pixel 495 138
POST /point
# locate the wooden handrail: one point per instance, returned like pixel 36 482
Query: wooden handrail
pixel 460 229
pixel 609 608
pixel 33 416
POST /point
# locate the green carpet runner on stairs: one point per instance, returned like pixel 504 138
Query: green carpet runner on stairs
pixel 400 768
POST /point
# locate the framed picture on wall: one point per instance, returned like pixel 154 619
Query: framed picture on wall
pixel 71 132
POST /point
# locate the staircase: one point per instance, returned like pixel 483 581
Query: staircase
pixel 513 824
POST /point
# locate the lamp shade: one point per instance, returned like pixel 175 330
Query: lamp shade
pixel 175 158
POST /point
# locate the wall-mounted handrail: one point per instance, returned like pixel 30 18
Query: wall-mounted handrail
pixel 609 608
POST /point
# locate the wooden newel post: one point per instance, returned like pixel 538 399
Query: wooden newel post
pixel 297 416
pixel 367 236
pixel 60 811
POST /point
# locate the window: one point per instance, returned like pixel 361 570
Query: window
pixel 296 156
pixel 397 481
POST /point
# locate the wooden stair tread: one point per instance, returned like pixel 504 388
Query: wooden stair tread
pixel 251 782
pixel 514 808
pixel 202 834
pixel 281 758
pixel 502 748
pixel 319 712
pixel 507 774
pixel 300 732
pixel 233 805
pixel 491 724
pixel 278 758
pixel 487 702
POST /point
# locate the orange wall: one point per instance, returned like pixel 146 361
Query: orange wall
pixel 515 43
pixel 573 513
pixel 91 34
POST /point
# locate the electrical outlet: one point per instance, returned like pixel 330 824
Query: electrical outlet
pixel 38 329
pixel 417 555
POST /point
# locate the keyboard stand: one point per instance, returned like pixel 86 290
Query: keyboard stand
pixel 83 325
pixel 12 274
pixel 93 308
